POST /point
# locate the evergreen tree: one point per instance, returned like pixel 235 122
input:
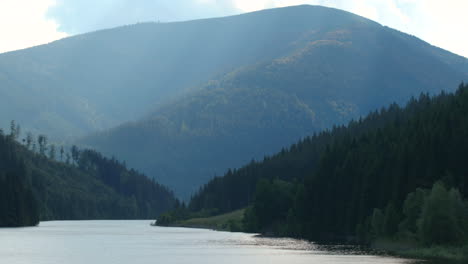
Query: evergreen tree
pixel 75 154
pixel 377 223
pixel 29 140
pixel 52 152
pixel 62 151
pixel 42 141
pixel 67 159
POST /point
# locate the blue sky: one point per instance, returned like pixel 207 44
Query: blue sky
pixel 26 23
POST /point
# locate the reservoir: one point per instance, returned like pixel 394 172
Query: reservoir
pixel 136 242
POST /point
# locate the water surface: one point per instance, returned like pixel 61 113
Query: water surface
pixel 136 242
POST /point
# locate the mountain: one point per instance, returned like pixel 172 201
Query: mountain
pixel 398 174
pixel 324 67
pixel 34 187
pixel 99 80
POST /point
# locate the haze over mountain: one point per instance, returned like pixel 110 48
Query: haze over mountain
pixel 318 67
pixel 101 79
pixel 98 80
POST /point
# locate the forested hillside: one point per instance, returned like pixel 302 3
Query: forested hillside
pixel 101 79
pixel 18 204
pixel 35 186
pixel 399 173
pixel 206 95
pixel 341 67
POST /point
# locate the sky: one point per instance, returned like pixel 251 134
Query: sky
pixel 26 23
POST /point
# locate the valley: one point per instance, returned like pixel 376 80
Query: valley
pixel 311 133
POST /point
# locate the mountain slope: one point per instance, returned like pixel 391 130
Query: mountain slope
pixel 399 174
pixel 18 205
pixel 98 80
pixel 341 67
pixel 33 188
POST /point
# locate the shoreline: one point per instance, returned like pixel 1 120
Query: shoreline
pixel 432 255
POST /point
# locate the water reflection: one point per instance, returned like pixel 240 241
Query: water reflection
pixel 136 242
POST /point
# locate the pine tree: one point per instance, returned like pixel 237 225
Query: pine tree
pixel 52 152
pixel 29 140
pixel 42 141
pixel 62 151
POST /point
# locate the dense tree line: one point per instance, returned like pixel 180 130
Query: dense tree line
pixel 149 197
pixel 36 185
pixel 18 205
pixel 422 144
pixel 398 173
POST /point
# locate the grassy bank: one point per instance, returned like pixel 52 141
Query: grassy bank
pixel 226 222
pixel 438 254
pixel 233 222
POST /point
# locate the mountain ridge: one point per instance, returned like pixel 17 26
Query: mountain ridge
pixel 146 57
pixel 332 75
pixel 98 80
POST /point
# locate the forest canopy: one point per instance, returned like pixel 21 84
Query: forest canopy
pixel 399 173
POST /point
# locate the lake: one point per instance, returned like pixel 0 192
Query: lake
pixel 136 242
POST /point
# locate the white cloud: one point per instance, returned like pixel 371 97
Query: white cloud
pixel 252 5
pixel 363 8
pixel 23 24
pixel 445 24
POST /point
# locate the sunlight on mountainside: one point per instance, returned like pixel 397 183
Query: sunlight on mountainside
pixel 325 133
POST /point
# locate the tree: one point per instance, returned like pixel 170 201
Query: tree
pixel 391 220
pixel 75 154
pixel 18 204
pixel 42 141
pixel 62 151
pixel 15 130
pixel 377 223
pixel 438 224
pixel 67 158
pixel 29 140
pixel 52 152
pixel 412 209
pixel 12 128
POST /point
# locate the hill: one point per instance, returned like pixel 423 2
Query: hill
pixel 399 174
pixel 98 80
pixel 34 187
pixel 335 67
